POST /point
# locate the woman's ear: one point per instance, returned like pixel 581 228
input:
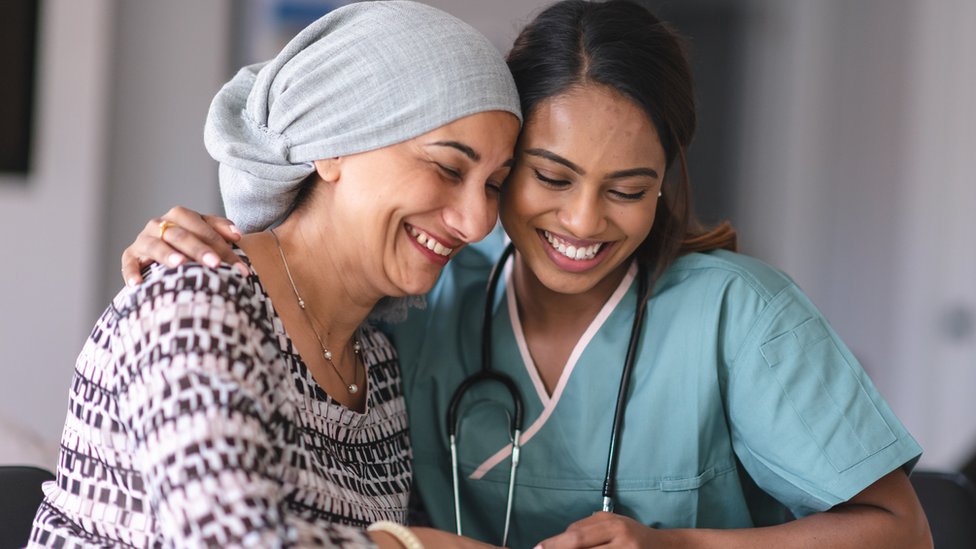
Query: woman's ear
pixel 329 169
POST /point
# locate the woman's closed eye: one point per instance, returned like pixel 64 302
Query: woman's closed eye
pixel 550 181
pixel 494 186
pixel 628 196
pixel 450 172
pixel 454 174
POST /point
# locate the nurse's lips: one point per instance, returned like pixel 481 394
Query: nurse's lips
pixel 573 254
pixel 436 249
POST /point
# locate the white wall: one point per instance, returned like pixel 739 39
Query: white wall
pixel 935 293
pixel 123 90
pixel 172 58
pixel 50 228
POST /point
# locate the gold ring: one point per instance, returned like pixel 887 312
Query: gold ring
pixel 163 225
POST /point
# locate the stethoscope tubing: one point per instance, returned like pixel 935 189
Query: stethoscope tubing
pixel 609 481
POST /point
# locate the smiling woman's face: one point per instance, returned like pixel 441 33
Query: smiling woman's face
pixel 406 209
pixel 584 190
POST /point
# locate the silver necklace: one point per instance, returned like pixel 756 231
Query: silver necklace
pixel 326 354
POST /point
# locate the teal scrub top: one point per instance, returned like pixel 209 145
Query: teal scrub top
pixel 742 402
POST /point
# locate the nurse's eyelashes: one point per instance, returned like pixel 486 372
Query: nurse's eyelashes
pixel 429 242
pixel 577 250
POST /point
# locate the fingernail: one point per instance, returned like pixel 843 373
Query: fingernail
pixel 243 269
pixel 233 228
pixel 132 282
pixel 210 259
pixel 175 259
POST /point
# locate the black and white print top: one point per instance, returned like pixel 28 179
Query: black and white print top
pixel 192 421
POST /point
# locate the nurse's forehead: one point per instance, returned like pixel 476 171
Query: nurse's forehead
pixel 581 142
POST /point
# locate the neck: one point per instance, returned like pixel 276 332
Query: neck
pixel 543 306
pixel 335 304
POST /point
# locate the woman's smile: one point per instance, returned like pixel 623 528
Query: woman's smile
pixel 572 254
pixel 430 246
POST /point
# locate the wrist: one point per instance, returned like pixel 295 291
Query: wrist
pixel 389 529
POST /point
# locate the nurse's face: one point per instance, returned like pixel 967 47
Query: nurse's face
pixel 404 210
pixel 584 190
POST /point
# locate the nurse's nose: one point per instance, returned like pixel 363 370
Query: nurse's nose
pixel 471 211
pixel 582 214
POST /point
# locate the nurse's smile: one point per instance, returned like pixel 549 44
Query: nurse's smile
pixel 573 254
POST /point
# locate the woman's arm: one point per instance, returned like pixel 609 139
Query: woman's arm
pixel 886 514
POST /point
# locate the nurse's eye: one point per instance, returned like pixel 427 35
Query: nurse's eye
pixel 631 197
pixel 549 181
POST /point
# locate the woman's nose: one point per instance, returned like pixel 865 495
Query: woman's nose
pixel 472 212
pixel 582 215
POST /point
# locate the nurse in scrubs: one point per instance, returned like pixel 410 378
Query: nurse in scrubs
pixel 743 404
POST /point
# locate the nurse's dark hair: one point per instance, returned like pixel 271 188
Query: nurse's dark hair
pixel 623 46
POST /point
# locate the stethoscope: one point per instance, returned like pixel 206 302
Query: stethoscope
pixel 486 374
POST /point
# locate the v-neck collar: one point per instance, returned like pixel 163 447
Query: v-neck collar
pixel 549 402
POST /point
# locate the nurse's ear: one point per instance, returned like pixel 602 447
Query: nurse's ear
pixel 329 169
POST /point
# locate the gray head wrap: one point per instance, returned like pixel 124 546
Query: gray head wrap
pixel 365 76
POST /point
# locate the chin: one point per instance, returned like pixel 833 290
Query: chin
pixel 569 284
pixel 415 287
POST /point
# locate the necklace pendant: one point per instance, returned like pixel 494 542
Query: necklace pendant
pixel 327 355
pixel 353 388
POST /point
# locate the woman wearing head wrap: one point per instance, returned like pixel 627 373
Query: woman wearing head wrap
pixel 743 402
pixel 220 408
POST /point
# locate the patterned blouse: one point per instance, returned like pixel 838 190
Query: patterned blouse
pixel 192 421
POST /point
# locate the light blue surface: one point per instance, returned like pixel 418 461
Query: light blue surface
pixel 739 380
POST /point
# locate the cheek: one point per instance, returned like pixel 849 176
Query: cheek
pixel 511 207
pixel 638 224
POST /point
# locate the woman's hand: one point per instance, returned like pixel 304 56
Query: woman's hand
pixel 185 234
pixel 606 530
pixel 885 514
pixel 429 537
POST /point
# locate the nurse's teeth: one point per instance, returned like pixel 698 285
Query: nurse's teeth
pixel 570 251
pixel 430 243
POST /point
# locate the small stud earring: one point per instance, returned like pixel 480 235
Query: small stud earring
pixel 660 194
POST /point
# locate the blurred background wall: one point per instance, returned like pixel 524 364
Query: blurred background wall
pixel 835 134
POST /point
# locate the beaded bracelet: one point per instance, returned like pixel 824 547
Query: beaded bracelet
pixel 400 532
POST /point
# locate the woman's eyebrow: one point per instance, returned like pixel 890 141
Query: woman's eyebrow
pixel 632 172
pixel 549 155
pixel 466 150
pixel 649 172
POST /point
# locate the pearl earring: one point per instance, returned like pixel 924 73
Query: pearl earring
pixel 660 194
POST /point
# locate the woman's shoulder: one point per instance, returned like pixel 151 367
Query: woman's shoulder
pixel 188 283
pixel 739 273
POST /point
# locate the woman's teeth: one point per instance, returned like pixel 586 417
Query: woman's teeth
pixel 430 243
pixel 570 251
